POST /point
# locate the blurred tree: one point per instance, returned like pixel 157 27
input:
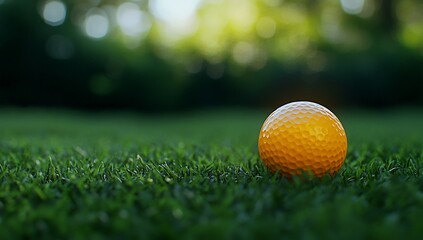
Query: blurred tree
pixel 163 54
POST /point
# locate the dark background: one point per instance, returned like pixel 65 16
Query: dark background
pixel 257 53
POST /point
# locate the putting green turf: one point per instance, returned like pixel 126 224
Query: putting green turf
pixel 198 175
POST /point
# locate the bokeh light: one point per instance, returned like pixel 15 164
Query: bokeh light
pixel 266 27
pixel 54 12
pixel 59 47
pixel 176 19
pixel 243 53
pixel 172 11
pixel 352 6
pixel 132 20
pixel 96 25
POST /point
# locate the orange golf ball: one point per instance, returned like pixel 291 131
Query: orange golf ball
pixel 302 137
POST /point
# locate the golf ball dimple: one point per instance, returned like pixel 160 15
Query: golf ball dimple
pixel 302 137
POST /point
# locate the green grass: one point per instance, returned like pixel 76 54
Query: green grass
pixel 198 175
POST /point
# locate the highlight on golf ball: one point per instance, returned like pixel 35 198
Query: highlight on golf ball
pixel 302 137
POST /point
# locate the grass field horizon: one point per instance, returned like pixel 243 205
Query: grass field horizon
pixel 72 174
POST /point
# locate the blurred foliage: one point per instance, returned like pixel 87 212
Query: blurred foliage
pixel 165 54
